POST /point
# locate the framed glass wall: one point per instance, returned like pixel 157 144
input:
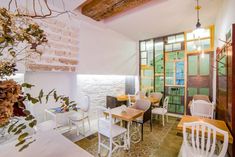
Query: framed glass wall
pixel 146 64
pixel 174 66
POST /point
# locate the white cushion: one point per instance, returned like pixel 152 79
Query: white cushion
pixel 105 130
pixel 159 111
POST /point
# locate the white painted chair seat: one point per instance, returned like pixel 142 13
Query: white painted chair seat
pixel 77 117
pixel 159 111
pixel 46 126
pixel 190 149
pixel 116 130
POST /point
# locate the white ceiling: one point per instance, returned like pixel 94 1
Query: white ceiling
pixel 163 17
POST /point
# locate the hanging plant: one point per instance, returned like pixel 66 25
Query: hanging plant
pixel 20 37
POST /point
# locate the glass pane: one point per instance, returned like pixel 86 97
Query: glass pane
pixel 159 84
pixel 205 44
pixel 170 56
pixel 179 73
pixel 144 54
pixel 168 47
pixel 159 46
pixel 204 91
pixel 180 38
pixel 177 46
pixel 191 46
pixel 192 91
pixel 169 70
pixel 180 55
pixel 205 64
pixel 143 61
pixel 171 39
pixel 190 36
pixel 149 45
pixel 192 65
pixel 142 46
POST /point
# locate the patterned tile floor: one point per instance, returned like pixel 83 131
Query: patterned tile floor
pixel 161 142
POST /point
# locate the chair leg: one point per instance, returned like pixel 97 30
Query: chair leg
pixel 99 143
pixel 70 125
pixel 151 125
pixel 110 147
pixel 163 119
pixel 167 118
pixel 142 131
pixel 89 123
pixel 83 127
pixel 77 127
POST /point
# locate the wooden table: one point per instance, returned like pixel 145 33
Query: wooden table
pixel 125 98
pixel 129 115
pixel 47 144
pixel 218 123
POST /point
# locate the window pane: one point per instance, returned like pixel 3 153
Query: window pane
pixel 180 38
pixel 179 73
pixel 191 46
pixel 144 54
pixel 205 44
pixel 142 46
pixel 204 91
pixel 149 45
pixel 143 61
pixel 192 91
pixel 159 46
pixel 168 47
pixel 192 65
pixel 171 39
pixel 177 46
pixel 205 64
pixel 190 36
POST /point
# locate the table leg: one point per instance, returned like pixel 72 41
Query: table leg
pixel 128 135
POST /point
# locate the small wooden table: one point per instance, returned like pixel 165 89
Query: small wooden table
pixel 125 98
pixel 129 115
pixel 218 123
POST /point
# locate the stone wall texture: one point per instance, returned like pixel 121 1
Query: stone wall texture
pixel 61 51
pixel 98 87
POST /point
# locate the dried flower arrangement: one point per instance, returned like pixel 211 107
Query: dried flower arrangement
pixel 19 38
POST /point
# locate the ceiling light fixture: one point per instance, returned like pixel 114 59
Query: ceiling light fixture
pixel 197 33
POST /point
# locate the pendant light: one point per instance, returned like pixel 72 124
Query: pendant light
pixel 198 31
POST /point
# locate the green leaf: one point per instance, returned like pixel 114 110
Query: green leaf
pixel 27 112
pixel 27 85
pixel 20 143
pixel 40 96
pixel 2 39
pixel 12 126
pixel 22 136
pixel 33 123
pixel 47 97
pixel 29 117
pixel 26 146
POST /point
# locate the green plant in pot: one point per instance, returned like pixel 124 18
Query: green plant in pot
pixel 20 37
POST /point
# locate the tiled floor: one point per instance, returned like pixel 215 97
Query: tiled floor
pixel 161 142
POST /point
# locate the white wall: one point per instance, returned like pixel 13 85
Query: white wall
pixel 224 20
pixel 105 52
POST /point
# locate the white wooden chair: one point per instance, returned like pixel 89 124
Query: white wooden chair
pixel 162 110
pixel 138 95
pixel 201 142
pixel 76 118
pixel 111 131
pixel 202 108
pixel 158 96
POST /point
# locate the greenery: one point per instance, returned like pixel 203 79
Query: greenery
pixel 19 38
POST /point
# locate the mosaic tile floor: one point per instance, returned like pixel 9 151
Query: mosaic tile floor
pixel 161 142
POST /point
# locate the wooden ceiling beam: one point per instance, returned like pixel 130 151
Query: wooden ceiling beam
pixel 103 9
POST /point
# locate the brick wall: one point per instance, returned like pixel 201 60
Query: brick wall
pixel 61 51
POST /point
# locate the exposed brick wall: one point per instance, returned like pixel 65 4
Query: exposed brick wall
pixel 61 51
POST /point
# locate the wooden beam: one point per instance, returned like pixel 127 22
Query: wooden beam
pixel 99 10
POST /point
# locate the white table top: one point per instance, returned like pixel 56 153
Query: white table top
pixel 47 144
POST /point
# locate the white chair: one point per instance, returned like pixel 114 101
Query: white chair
pixel 158 96
pixel 76 118
pixel 202 109
pixel 201 141
pixel 111 131
pixel 138 95
pixel 162 110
